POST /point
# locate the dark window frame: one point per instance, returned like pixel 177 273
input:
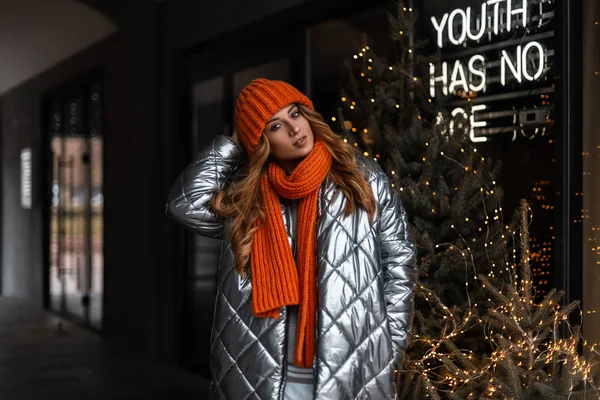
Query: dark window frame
pixel 80 85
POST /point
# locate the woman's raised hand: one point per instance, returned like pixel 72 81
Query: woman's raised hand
pixel 236 138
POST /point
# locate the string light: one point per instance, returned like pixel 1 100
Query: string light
pixel 459 378
pixel 521 347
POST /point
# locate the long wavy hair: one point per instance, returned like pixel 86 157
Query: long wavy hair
pixel 242 201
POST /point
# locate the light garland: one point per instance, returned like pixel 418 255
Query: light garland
pixel 432 365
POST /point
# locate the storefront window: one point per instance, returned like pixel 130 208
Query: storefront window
pixel 500 59
pixel 75 226
pixel 495 59
pixel 328 53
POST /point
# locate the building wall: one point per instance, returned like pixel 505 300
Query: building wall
pixel 144 260
pixel 22 125
pixel 132 205
pixel 193 27
pixel 191 24
pixel 144 147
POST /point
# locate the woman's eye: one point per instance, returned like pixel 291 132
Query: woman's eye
pixel 295 115
pixel 274 127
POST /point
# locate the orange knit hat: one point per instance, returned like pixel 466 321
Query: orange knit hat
pixel 257 103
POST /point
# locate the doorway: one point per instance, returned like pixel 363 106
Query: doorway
pixel 212 90
pixel 74 207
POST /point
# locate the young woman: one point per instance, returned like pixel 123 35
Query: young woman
pixel 317 269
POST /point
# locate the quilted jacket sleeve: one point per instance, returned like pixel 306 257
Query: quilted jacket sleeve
pixel 189 199
pixel 399 265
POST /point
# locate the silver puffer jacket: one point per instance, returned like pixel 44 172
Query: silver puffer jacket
pixel 365 283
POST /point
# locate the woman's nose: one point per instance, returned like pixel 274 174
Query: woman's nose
pixel 294 130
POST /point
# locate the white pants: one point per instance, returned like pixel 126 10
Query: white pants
pixel 297 391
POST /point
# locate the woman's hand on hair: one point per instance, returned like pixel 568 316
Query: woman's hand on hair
pixel 236 138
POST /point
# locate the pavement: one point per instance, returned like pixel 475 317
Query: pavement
pixel 44 357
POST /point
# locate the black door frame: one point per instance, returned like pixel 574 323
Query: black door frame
pixel 283 35
pixel 61 93
pixel 568 250
pixel 196 70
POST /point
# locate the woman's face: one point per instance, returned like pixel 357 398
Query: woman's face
pixel 290 137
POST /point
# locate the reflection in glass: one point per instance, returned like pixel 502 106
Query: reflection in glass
pixel 76 208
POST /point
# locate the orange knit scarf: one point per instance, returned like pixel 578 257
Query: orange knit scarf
pixel 276 281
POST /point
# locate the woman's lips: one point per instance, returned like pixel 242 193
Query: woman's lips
pixel 300 142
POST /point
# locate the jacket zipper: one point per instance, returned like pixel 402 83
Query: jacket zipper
pixel 284 369
pixel 285 351
pixel 317 273
pixel 288 218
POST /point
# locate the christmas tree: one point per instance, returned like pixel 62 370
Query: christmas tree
pixel 542 237
pixel 531 359
pixel 447 188
pixel 479 331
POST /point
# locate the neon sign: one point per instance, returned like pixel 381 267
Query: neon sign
pixel 500 45
pixel 528 64
pixel 458 24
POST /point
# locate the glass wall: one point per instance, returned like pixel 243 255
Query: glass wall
pixel 328 53
pixel 76 202
pixel 499 64
pixel 502 63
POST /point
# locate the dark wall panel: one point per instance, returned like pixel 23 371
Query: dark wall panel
pixel 144 147
pixel 128 62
